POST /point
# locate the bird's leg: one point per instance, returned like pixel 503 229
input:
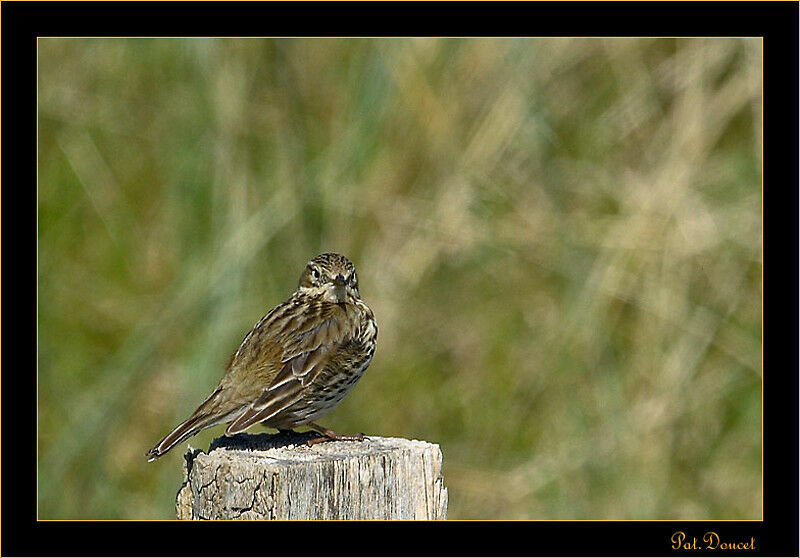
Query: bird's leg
pixel 329 435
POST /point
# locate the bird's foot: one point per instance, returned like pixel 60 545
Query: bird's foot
pixel 329 435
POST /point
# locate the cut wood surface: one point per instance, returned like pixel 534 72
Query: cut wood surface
pixel 278 476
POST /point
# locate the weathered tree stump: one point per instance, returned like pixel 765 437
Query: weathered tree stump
pixel 279 477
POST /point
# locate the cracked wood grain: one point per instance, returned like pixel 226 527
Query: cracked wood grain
pixel 278 477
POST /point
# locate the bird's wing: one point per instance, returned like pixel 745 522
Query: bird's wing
pixel 306 353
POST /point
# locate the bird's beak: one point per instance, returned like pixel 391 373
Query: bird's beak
pixel 339 290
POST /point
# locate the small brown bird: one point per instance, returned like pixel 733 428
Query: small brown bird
pixel 297 363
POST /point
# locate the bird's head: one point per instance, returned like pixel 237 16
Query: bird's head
pixel 332 276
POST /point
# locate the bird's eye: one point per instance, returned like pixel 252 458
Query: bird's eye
pixel 315 273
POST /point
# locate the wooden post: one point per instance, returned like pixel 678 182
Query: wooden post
pixel 279 477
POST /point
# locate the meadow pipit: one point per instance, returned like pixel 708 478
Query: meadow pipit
pixel 297 363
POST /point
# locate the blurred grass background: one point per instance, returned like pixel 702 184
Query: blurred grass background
pixel 561 240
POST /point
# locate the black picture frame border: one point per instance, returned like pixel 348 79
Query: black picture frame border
pixel 23 22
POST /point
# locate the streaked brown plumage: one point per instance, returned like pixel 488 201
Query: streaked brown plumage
pixel 297 363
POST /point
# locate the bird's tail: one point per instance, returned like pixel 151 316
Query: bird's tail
pixel 185 430
pixel 204 417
